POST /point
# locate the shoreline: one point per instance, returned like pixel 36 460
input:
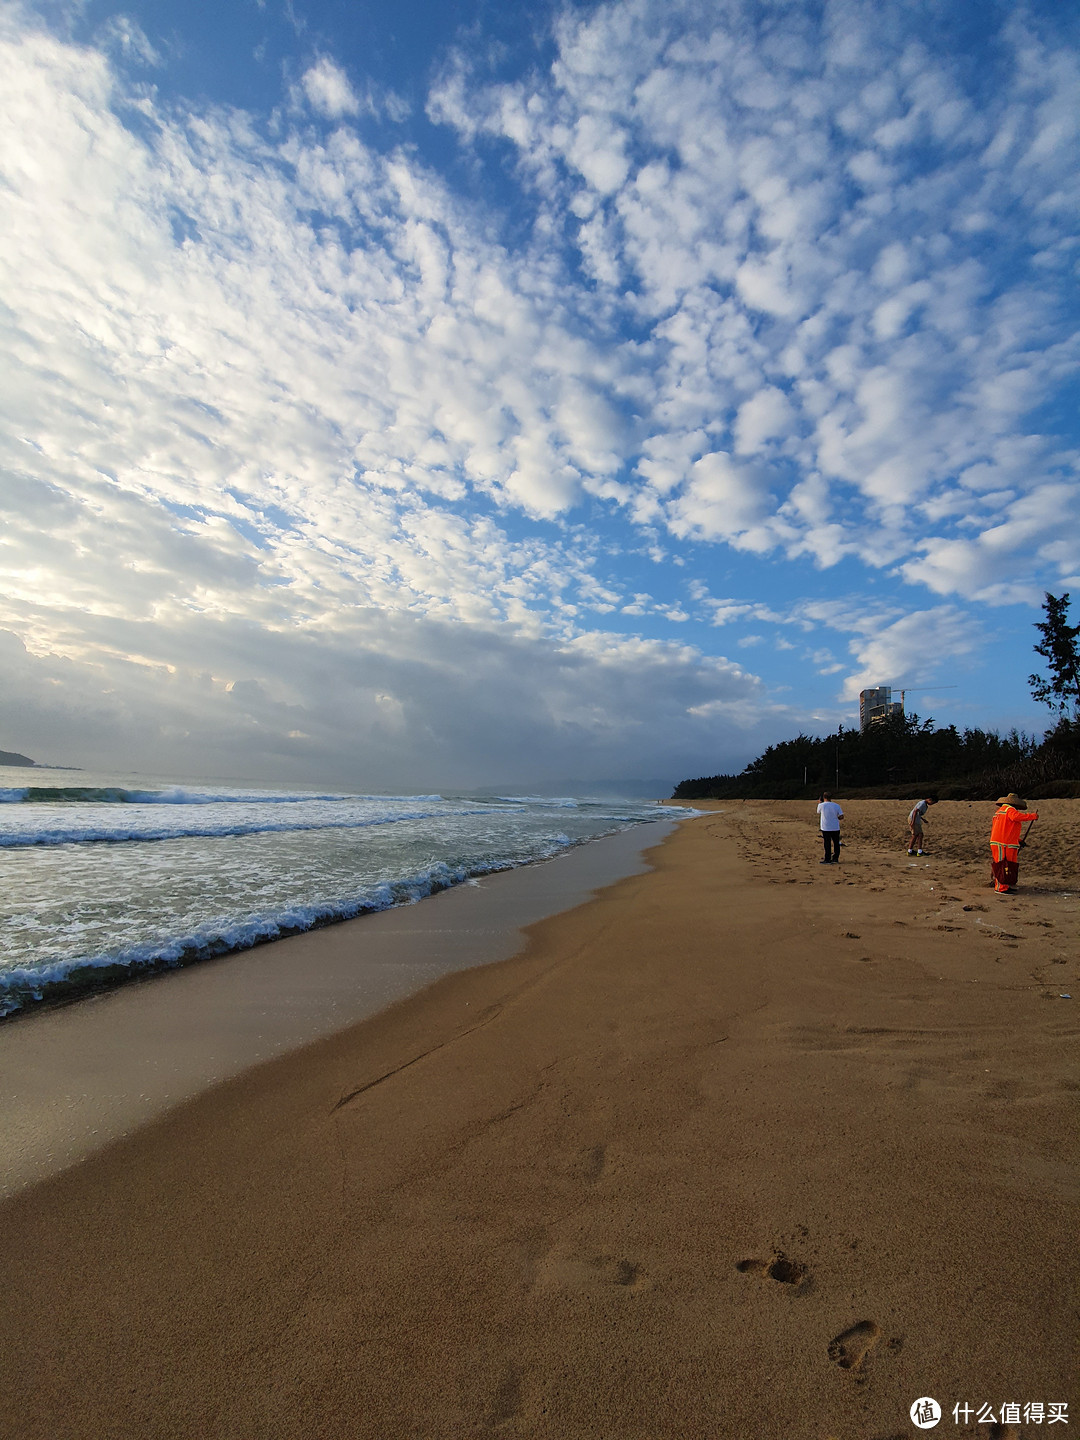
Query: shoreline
pixel 87 979
pixel 740 1148
pixel 79 1073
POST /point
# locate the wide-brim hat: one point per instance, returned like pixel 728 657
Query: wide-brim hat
pixel 1012 799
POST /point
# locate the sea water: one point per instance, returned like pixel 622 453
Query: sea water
pixel 106 877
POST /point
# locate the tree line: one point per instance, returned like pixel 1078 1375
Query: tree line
pixel 904 756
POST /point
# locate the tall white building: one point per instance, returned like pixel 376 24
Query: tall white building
pixel 877 704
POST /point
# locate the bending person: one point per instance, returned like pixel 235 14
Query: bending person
pixel 915 821
pixel 1005 840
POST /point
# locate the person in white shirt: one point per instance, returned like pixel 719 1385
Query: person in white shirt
pixel 830 816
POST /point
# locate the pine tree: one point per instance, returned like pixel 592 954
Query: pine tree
pixel 1060 649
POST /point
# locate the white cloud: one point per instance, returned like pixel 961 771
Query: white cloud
pixel 122 34
pixel 912 649
pixel 722 499
pixel 1045 518
pixel 328 90
pixel 767 285
pixel 224 359
pixel 765 416
pixel 888 642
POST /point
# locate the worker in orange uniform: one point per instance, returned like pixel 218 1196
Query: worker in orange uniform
pixel 1005 840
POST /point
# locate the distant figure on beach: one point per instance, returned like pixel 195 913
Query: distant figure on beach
pixel 915 824
pixel 830 815
pixel 1005 841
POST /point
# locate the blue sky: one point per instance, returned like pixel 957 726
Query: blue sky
pixel 449 394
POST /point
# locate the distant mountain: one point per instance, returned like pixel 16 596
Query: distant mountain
pixel 9 757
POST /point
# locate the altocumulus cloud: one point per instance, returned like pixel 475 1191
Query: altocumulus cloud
pixel 855 264
pixel 301 458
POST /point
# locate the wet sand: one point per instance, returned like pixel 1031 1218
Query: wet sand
pixel 75 1077
pixel 744 1148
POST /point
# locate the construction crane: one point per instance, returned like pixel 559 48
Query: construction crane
pixel 876 703
pixel 921 690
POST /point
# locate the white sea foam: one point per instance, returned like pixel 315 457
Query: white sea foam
pixel 55 824
pixel 230 867
pixel 22 984
pixel 565 802
pixel 177 795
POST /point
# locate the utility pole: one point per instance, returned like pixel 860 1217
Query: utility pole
pixel 839 732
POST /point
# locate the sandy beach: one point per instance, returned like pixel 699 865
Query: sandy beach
pixel 745 1148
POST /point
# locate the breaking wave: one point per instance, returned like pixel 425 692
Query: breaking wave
pixel 173 795
pixel 69 978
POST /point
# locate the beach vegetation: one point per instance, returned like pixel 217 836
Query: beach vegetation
pixel 1061 651
pixel 905 757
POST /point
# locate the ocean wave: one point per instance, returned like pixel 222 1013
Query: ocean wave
pixel 180 795
pixel 89 832
pixel 70 978
pixel 559 802
pixel 69 794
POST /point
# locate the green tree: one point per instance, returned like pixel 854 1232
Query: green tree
pixel 1060 650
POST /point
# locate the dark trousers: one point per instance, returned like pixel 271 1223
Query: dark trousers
pixel 831 840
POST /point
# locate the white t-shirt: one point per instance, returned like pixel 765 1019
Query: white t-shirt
pixel 831 815
pixel 918 815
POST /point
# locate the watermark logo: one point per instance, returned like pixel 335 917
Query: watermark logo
pixel 925 1413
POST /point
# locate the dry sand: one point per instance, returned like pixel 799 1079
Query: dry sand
pixel 744 1149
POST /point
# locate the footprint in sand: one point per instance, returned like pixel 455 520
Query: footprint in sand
pixel 780 1268
pixel 595 1275
pixel 592 1163
pixel 506 1401
pixel 850 1349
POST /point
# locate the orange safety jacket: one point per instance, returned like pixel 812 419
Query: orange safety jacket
pixel 1007 824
